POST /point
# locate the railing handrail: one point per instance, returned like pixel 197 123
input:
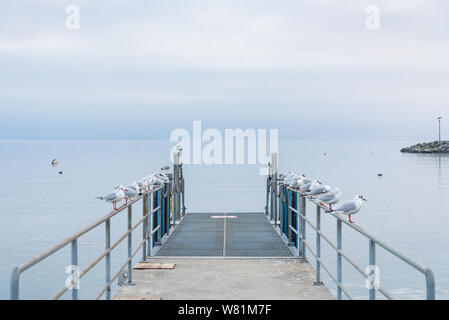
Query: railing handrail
pixel 301 248
pixel 150 233
pixel 31 262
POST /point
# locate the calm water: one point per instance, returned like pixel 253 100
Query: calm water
pixel 407 207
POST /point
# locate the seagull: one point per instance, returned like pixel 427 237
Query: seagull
pixel 330 198
pixel 307 187
pixel 130 192
pixel 319 189
pixel 351 206
pixel 114 197
pixel 143 184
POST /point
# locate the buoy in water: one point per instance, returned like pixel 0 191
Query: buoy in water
pixel 325 154
pixel 379 174
pixel 60 172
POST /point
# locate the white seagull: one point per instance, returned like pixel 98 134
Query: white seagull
pixel 319 189
pixel 351 206
pixel 114 197
pixel 130 192
pixel 330 198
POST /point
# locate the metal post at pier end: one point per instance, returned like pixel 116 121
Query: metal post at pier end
pixel 280 208
pixel 74 250
pixel 267 194
pixel 318 246
pixel 169 203
pixel 176 162
pixel 144 227
pixel 130 245
pixel 303 229
pixel 274 165
pixel 339 265
pixel 159 214
pixel 108 258
pixel 372 263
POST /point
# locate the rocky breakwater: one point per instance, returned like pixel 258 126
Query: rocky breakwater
pixel 428 147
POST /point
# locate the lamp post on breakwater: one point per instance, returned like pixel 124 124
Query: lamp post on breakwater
pixel 439 129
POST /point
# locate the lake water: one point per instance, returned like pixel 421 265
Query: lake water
pixel 408 207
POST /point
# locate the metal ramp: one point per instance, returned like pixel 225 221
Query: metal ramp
pixel 249 234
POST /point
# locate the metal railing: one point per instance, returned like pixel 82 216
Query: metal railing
pixel 290 219
pixel 156 222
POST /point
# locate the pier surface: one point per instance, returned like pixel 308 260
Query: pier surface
pixel 237 257
pixel 226 279
pixel 249 234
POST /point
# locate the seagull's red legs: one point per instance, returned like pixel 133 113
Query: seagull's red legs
pixel 350 219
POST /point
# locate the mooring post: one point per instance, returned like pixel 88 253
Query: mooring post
pixel 274 168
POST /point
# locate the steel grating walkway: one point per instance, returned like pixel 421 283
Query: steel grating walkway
pixel 248 235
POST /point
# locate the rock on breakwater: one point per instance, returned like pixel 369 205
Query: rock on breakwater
pixel 428 147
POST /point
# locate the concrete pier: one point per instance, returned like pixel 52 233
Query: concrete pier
pixel 225 256
pixel 227 279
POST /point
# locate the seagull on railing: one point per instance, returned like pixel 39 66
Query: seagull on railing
pixel 319 189
pixel 114 197
pixel 130 192
pixel 330 198
pixel 143 184
pixel 309 186
pixel 350 207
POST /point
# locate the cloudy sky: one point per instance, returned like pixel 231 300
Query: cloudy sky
pixel 138 69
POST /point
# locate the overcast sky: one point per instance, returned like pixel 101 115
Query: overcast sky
pixel 138 69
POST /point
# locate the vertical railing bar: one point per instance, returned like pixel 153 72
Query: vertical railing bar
pixel 108 258
pixel 15 278
pixel 130 244
pixel 318 245
pixel 372 264
pixel 150 219
pixel 339 262
pixel 303 228
pixel 75 265
pixel 144 227
pixel 289 215
pixel 298 235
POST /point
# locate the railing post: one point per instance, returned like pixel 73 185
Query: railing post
pixel 75 264
pixel 303 228
pixel 14 289
pixel 430 284
pixel 150 217
pixel 289 213
pixel 372 263
pixel 130 245
pixel 339 266
pixel 267 194
pixel 298 235
pixel 144 227
pixel 280 207
pixel 108 258
pixel 318 246
pixel 159 213
pixel 274 166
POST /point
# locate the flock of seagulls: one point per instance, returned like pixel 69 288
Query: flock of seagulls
pixel 323 194
pixel 135 189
